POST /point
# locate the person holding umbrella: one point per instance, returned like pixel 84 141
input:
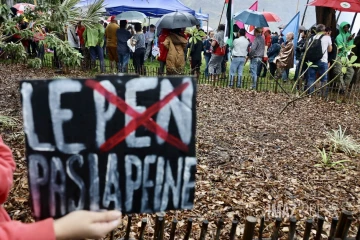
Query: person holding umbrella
pixel 175 59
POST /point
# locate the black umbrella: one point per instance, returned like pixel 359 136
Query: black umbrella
pixel 176 20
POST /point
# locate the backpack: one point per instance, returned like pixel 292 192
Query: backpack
pixel 315 52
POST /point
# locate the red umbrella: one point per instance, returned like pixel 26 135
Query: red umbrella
pixel 271 17
pixel 340 5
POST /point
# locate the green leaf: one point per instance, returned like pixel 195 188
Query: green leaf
pixel 355 65
pixel 343 70
pixel 353 59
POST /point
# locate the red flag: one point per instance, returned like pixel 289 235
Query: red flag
pixel 249 29
pixel 226 1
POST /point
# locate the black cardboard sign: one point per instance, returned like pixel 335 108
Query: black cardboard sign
pixel 118 142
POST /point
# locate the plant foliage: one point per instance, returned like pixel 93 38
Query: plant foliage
pixel 342 142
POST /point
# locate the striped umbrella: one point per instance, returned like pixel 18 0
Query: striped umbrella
pixel 20 7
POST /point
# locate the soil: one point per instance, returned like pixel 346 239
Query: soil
pixel 251 160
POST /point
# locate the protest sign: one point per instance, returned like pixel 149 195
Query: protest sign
pixel 117 142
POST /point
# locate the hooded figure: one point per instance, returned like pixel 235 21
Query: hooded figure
pixel 272 53
pixel 175 59
pixel 344 39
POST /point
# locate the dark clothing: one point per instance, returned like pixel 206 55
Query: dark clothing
pixel 138 59
pixel 122 36
pixel 300 49
pixel 196 51
pixel 207 47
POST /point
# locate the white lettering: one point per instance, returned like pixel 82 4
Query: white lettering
pixel 132 87
pixel 131 185
pixel 188 186
pixel 112 180
pixel 94 182
pixel 59 116
pixel 103 115
pixel 170 183
pixel 146 183
pixel 77 180
pixel 57 186
pixel 182 110
pixel 29 128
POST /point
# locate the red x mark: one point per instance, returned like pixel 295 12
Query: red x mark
pixel 139 118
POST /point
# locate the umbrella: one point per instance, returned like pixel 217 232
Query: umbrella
pixel 207 29
pixel 271 17
pixel 340 5
pixel 20 7
pixel 176 20
pixel 131 15
pixel 251 17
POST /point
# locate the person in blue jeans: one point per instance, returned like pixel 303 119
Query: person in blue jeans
pixel 256 54
pixel 207 52
pixel 122 36
pixel 239 54
pixel 322 64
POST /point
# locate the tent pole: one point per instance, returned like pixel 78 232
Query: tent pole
pixel 207 26
pixel 297 6
pixel 338 16
pixel 303 19
pixel 353 21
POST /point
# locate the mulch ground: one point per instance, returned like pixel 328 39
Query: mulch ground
pixel 251 160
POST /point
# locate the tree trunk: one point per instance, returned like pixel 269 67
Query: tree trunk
pixel 326 16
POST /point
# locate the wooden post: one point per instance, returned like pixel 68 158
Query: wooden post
pixel 308 226
pixel 303 18
pixel 261 228
pixel 275 234
pixel 218 230
pixel 334 222
pixel 346 228
pixel 161 228
pixel 204 228
pixel 342 221
pixel 188 229
pixel 173 229
pixel 249 228
pixel 320 224
pixel 292 229
pixel 142 229
pixel 233 230
pixel 358 234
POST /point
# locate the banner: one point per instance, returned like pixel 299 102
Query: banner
pixel 117 142
pixel 249 29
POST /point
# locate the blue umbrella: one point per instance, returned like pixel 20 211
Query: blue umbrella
pixel 251 17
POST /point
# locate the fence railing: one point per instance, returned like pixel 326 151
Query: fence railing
pixel 333 92
pixel 339 229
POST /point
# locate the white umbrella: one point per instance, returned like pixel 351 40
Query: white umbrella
pixel 131 15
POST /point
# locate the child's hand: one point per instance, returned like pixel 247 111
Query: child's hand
pixel 86 224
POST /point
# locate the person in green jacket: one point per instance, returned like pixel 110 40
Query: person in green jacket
pixel 94 40
pixel 343 41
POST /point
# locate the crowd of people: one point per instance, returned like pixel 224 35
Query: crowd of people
pixel 268 52
pixel 316 45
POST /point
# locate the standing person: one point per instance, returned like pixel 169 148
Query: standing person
pixel 40 48
pixel 208 51
pixel 72 37
pixel 149 39
pixel 94 40
pixel 123 51
pixel 138 41
pixel 239 54
pixel 256 54
pixel 195 57
pixel 163 50
pixel 218 52
pixel 299 54
pixel 80 29
pixel 75 225
pixel 263 64
pixel 175 60
pixel 272 53
pixel 111 42
pixel 285 59
pixel 343 41
pixel 322 64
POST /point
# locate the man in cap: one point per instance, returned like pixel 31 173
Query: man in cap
pixel 256 54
